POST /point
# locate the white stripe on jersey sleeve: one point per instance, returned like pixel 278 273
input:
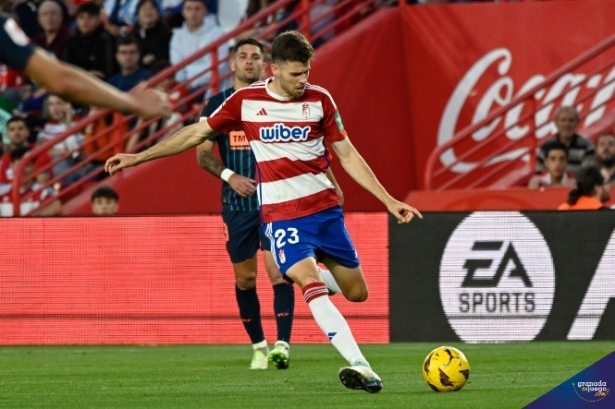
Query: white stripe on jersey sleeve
pixel 293 188
pixel 275 111
pixel 302 151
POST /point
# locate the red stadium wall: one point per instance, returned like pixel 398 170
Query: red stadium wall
pixel 155 280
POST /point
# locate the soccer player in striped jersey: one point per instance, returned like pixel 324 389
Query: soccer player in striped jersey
pixel 241 215
pixel 286 121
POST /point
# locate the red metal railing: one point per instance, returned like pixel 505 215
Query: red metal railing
pixel 336 19
pixel 482 169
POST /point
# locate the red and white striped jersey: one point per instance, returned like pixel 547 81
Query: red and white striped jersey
pixel 287 137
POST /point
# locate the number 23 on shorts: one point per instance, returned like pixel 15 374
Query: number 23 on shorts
pixel 282 236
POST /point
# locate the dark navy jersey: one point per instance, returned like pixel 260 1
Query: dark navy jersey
pixel 236 155
pixel 15 47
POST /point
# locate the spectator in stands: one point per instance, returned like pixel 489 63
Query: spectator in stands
pixel 581 152
pixel 27 15
pixel 195 34
pixel 31 99
pixel 605 152
pixel 120 15
pixel 262 28
pixel 105 201
pixel 28 187
pixel 18 133
pixel 61 118
pixel 322 14
pixel 172 10
pixel 91 47
pixel 123 14
pixel 55 34
pixel 556 160
pixel 591 193
pixel 153 35
pixel 127 56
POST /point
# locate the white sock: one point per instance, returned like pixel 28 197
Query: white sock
pixel 329 280
pixel 260 345
pixel 283 343
pixel 332 323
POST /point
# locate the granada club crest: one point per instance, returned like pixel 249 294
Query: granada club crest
pixel 305 110
pixel 281 256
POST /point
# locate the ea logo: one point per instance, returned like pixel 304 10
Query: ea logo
pixel 497 278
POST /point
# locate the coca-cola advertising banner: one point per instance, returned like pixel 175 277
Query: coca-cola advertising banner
pixel 466 61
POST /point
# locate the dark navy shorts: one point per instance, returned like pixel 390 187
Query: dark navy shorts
pixel 244 234
pixel 318 236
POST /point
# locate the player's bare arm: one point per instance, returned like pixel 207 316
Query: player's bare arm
pixel 359 170
pixel 77 85
pixel 244 186
pixel 184 139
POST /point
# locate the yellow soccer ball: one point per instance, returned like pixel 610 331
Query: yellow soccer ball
pixel 446 369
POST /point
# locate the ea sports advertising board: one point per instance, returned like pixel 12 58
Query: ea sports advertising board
pixel 503 276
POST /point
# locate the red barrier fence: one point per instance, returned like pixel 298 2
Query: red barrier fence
pixel 156 280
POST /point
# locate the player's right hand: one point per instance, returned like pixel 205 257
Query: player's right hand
pixel 120 161
pixel 403 211
pixel 150 102
pixel 244 186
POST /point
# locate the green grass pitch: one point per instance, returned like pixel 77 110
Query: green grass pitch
pixel 502 376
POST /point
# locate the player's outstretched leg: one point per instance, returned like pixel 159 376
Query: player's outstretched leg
pixel 359 374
